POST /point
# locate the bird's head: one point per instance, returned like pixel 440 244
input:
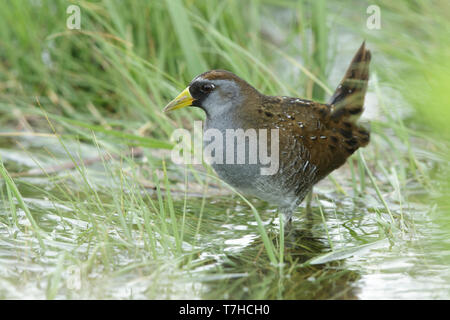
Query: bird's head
pixel 215 92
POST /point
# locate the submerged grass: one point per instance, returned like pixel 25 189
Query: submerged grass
pixel 133 225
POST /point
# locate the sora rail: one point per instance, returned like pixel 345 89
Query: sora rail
pixel 313 138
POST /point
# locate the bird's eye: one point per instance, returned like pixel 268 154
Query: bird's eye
pixel 207 87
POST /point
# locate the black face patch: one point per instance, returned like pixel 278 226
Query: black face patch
pixel 199 90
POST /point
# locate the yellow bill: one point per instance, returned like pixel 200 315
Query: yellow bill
pixel 184 99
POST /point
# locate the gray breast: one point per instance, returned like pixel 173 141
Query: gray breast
pixel 222 154
pixel 284 188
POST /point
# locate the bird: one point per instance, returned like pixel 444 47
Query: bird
pixel 313 138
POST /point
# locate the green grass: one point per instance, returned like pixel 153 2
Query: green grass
pixel 142 227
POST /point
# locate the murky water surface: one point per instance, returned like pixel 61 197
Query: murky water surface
pixel 97 243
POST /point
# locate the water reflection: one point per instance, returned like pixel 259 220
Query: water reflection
pixel 294 280
pixel 222 252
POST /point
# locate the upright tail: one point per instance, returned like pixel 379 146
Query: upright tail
pixel 348 99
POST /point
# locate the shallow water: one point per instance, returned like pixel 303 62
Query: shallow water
pixel 101 250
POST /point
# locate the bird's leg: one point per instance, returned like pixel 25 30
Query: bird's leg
pixel 286 215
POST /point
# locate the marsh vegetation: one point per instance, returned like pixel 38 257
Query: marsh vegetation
pixel 92 207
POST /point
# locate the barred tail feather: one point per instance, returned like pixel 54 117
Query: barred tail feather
pixel 348 99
